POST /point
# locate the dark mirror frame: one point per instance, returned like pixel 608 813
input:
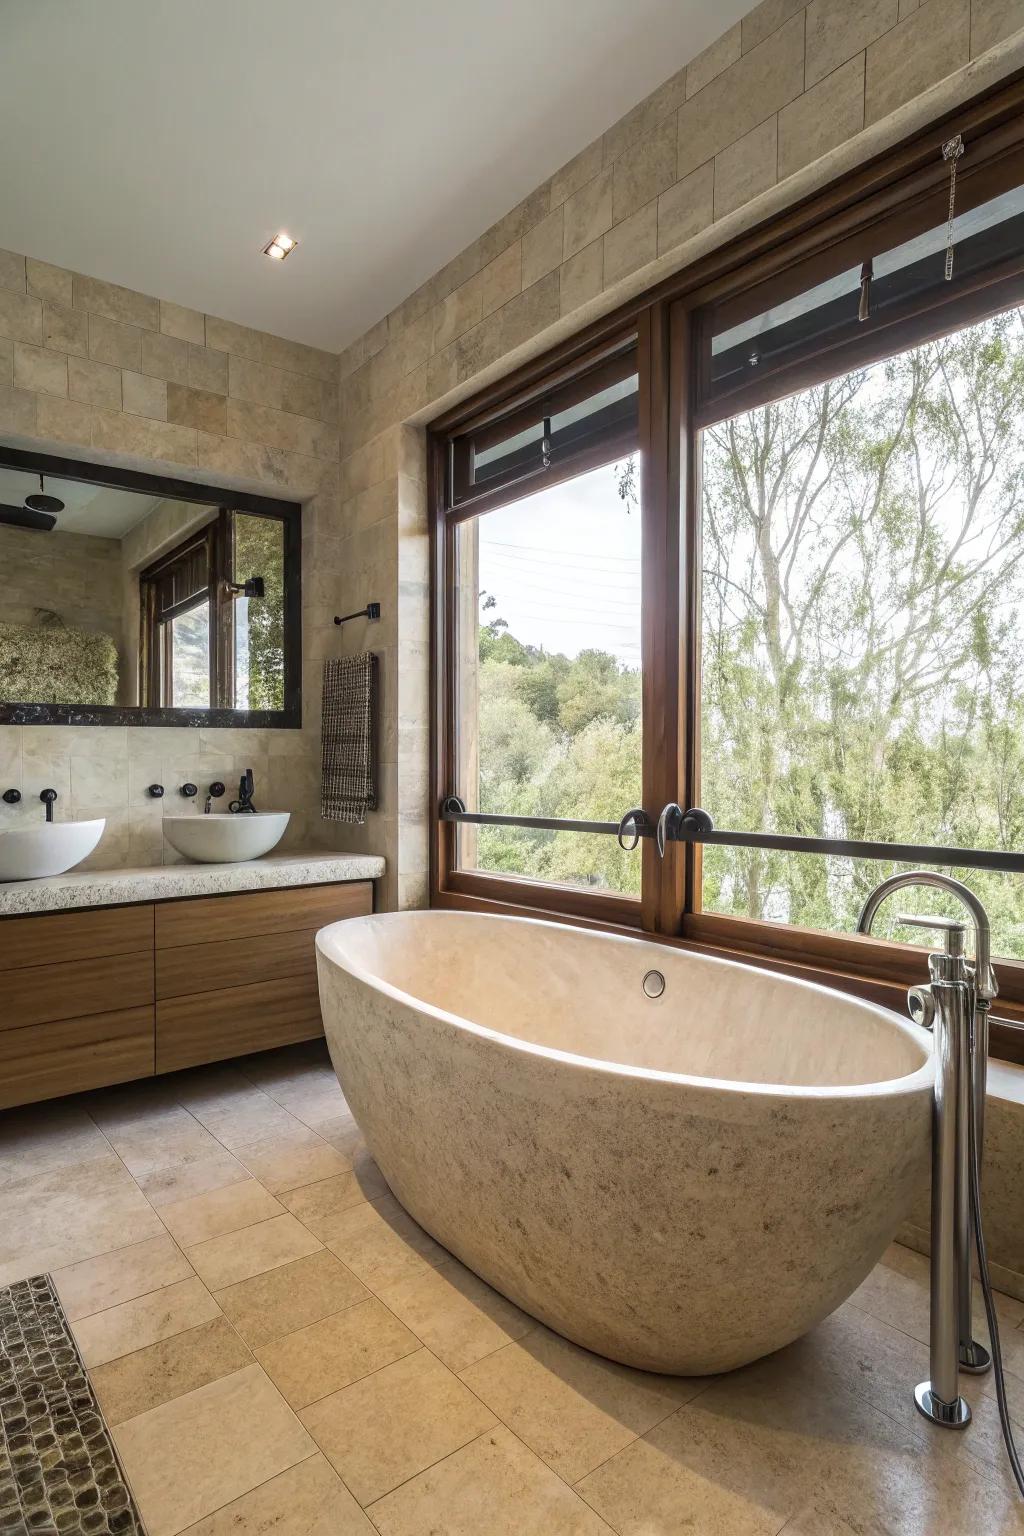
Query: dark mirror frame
pixel 287 512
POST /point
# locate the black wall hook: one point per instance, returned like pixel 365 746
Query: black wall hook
pixel 371 611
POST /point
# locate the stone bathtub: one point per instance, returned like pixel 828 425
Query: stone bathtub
pixel 682 1182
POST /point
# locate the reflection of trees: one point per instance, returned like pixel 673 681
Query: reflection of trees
pixel 862 653
pixel 259 551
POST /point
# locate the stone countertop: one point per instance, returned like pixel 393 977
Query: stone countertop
pixel 166 882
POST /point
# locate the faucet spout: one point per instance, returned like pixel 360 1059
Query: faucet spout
pixel 985 980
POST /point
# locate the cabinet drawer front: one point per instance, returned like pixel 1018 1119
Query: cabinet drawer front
pixel 234 963
pixel 74 935
pixel 210 1026
pixel 206 919
pixel 46 1060
pixel 71 989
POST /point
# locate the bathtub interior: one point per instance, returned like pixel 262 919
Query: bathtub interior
pixel 582 992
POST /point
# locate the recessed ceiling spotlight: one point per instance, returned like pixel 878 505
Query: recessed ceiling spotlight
pixel 281 246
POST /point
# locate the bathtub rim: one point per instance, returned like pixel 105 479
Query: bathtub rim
pixel 910 1083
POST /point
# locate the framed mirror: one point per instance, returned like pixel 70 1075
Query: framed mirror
pixel 130 599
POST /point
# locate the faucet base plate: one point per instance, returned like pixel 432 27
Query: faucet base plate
pixel 975 1358
pixel 954 1415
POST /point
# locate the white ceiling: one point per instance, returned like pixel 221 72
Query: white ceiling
pixel 102 511
pixel 160 143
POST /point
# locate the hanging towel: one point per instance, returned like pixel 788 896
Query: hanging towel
pixel 348 757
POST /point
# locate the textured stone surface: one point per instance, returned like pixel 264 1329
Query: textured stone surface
pixel 60 1471
pixel 636 1176
pixel 116 887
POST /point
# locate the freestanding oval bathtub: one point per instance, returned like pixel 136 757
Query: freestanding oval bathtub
pixel 683 1182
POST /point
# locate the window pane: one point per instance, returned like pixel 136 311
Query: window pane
pixel 259 621
pixel 190 659
pixel 863 652
pixel 549 676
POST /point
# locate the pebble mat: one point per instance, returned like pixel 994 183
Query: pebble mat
pixel 58 1468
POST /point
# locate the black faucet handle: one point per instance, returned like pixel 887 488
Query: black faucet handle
pixel 48 796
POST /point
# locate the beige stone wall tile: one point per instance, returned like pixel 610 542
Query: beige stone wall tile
pixel 304 396
pixel 65 330
pixel 54 284
pixel 64 421
pixel 767 18
pixel 376 338
pixel 12 271
pixel 248 461
pixel 929 45
pixel 839 29
pixel 255 382
pixel 144 396
pixel 226 336
pixel 414 345
pixel 822 118
pixel 747 93
pixel 532 311
pixel 442 373
pixel 707 66
pixel 631 244
pixel 992 21
pixel 185 324
pixel 907 6
pixel 637 123
pixel 412 308
pixel 116 344
pixel 501 279
pixel 480 347
pixel 493 243
pixel 207 369
pixel 115 303
pixel 165 357
pixel 582 277
pixel 747 168
pixel 18 411
pixel 278 429
pixel 94 383
pixel 580 170
pixel 199 408
pixel 6 362
pixel 588 213
pixel 687 208
pixel 645 169
pixel 135 435
pixel 542 247
pixel 296 357
pixel 457 313
pixel 21 317
pixel 41 370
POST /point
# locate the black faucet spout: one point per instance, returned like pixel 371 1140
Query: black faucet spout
pixel 246 788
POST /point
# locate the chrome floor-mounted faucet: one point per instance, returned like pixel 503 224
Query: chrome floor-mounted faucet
pixel 955 1005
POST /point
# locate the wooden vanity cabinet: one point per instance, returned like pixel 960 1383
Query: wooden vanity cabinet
pixel 114 993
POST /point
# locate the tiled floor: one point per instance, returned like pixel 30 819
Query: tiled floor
pixel 280 1348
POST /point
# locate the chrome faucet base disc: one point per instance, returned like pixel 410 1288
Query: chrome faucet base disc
pixel 975 1358
pixel 955 1415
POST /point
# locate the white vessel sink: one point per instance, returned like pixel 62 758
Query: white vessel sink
pixel 224 837
pixel 47 847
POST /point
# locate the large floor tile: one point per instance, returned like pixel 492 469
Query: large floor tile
pixel 223 1261
pixel 133 1324
pixel 228 1209
pixel 41 1137
pixel 135 1383
pixel 196 1453
pixel 288 1298
pixel 77 1211
pixel 95 1284
pixel 245 1116
pixel 399 1421
pixel 318 1206
pixel 495 1486
pixel 182 1181
pixel 573 1408
pixel 382 1244
pixel 159 1138
pixel 308 1500
pixel 284 1165
pixel 334 1352
pixel 456 1314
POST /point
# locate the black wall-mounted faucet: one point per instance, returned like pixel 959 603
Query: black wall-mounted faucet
pixel 246 785
pixel 48 796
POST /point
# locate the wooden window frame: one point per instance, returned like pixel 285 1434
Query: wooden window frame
pixel 886 200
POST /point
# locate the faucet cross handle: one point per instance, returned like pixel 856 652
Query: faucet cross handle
pixel 952 927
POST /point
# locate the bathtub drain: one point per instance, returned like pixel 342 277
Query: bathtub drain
pixel 654 984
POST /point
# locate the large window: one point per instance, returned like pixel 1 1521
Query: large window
pixel 757 545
